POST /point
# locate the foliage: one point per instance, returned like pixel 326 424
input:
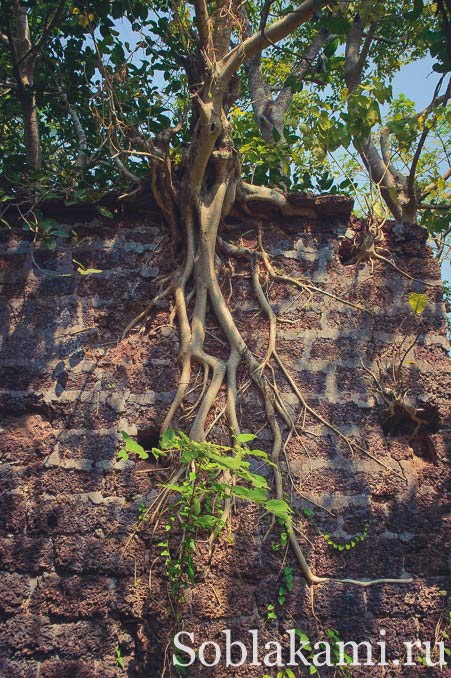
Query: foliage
pixel 282 543
pixel 333 638
pixel 202 494
pixel 107 72
pixel 348 545
pixel 119 658
pixel 418 302
pixel 286 586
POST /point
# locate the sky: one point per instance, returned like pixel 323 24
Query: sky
pixel 417 81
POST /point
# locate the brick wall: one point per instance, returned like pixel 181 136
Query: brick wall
pixel 69 594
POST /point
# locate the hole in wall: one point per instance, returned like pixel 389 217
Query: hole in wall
pixel 347 252
pixel 148 437
pixel 52 520
pixel 400 420
pixel 423 447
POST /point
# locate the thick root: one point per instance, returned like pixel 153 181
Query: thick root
pixel 208 289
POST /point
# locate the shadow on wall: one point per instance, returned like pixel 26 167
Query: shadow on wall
pixel 66 504
pixel 71 595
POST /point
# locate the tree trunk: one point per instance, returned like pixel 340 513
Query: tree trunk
pixel 409 213
pixel 393 186
pixel 24 66
pixel 31 131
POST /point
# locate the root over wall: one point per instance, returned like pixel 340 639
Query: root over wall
pixel 69 595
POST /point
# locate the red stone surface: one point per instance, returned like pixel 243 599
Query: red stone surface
pixel 69 595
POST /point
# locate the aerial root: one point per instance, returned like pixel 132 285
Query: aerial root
pixel 304 285
pixel 217 371
pixel 367 251
pixel 271 405
pixel 141 316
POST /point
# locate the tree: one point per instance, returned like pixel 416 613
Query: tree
pixel 376 40
pixel 23 47
pixel 206 59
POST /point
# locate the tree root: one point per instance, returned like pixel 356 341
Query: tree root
pixel 192 333
pixel 305 285
pixel 141 316
pixel 367 252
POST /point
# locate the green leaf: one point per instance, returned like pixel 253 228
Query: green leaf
pixel 245 437
pixel 169 439
pixel 132 446
pixel 261 454
pixel 288 577
pixel 105 212
pixel 336 24
pixel 175 488
pixel 373 116
pixel 157 453
pixel 418 302
pixel 253 478
pixel 302 636
pixel 332 47
pixel 122 454
pixel 279 508
pixel 206 521
pixel 196 506
pixel 119 659
pixel 233 463
pixel 254 494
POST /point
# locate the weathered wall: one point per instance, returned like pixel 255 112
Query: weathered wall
pixel 68 594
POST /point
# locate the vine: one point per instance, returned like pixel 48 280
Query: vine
pixel 202 495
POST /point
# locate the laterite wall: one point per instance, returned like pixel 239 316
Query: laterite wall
pixel 69 594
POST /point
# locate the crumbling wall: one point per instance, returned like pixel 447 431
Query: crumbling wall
pixel 70 593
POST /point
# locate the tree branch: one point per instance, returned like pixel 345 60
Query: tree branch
pixel 51 25
pixel 424 134
pixel 83 145
pixel 268 112
pixel 380 175
pixel 124 171
pixel 33 49
pixel 303 66
pixel 433 185
pixel 385 132
pixel 356 54
pixel 257 42
pixel 430 206
pixel 202 21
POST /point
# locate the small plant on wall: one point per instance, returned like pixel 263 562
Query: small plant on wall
pixel 203 496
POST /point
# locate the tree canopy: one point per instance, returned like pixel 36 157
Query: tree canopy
pixel 86 88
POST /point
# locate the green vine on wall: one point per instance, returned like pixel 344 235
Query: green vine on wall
pixel 207 479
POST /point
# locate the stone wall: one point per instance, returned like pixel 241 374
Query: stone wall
pixel 71 593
